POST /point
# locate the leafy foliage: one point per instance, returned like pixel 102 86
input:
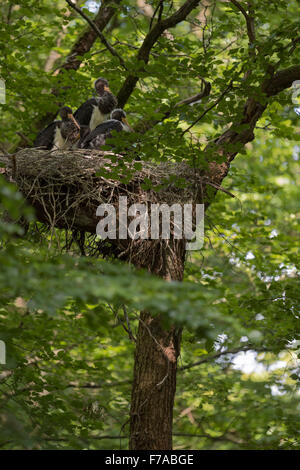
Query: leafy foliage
pixel 65 319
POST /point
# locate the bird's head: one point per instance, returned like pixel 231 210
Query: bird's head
pixel 66 114
pixel 101 85
pixel 120 115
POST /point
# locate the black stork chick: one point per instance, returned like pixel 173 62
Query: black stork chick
pixel 96 110
pixel 97 138
pixel 84 132
pixel 59 134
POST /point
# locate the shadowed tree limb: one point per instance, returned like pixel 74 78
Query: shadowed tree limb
pixel 242 131
pixel 209 108
pixel 149 41
pixel 198 96
pixel 281 80
pixel 227 145
pixel 249 19
pixel 86 40
pixel 94 26
pixel 145 125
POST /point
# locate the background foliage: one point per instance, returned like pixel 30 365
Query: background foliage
pixel 63 317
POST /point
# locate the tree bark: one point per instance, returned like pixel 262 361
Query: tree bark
pixel 155 369
pixel 154 385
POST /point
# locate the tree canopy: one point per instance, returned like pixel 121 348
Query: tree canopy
pixel 196 79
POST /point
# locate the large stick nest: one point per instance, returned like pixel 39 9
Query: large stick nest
pixel 66 187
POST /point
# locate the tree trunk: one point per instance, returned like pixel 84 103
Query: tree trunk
pixel 154 385
pixel 155 368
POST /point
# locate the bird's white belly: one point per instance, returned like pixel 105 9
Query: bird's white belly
pixel 97 118
pixel 59 141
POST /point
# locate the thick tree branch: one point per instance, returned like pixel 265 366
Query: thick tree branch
pixel 149 41
pixel 209 108
pixel 145 124
pixel 199 96
pixel 249 20
pixel 94 26
pixel 254 108
pixel 242 131
pixel 89 36
pixel 281 80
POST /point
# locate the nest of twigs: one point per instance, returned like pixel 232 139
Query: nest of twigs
pixel 66 187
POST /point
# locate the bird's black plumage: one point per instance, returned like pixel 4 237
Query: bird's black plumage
pixel 97 137
pixel 84 112
pixel 59 134
pixel 95 110
pixel 45 138
pixel 84 132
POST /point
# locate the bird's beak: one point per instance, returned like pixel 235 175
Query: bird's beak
pixel 106 88
pixel 127 124
pixel 70 116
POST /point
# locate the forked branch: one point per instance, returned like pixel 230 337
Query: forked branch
pixel 93 25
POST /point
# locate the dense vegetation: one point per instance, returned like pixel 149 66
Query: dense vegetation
pixel 68 320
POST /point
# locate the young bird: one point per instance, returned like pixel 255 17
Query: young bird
pixel 97 138
pixel 96 110
pixel 59 134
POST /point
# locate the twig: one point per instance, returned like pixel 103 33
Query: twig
pixel 12 157
pixel 160 6
pixel 218 187
pixel 151 38
pixel 100 34
pixel 209 108
pixel 128 329
pixel 24 138
pixel 209 358
pixel 144 125
pixel 192 99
